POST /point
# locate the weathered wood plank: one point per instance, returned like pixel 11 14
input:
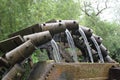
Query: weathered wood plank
pixel 29 30
pixel 11 43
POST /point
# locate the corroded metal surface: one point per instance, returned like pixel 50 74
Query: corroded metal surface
pixel 98 39
pixel 54 28
pixel 39 38
pixel 114 73
pixel 29 30
pixel 88 32
pixel 14 73
pixel 40 70
pixel 104 50
pixel 16 51
pixel 80 71
pixel 70 24
pixel 20 53
pixel 3 62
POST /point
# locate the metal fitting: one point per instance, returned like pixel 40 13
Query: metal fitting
pixel 39 38
pixel 20 53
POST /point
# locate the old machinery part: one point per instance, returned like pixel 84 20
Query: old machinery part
pixel 29 30
pixel 14 73
pixel 104 50
pixel 54 28
pixel 39 38
pixel 10 43
pixel 98 39
pixel 114 73
pixel 82 32
pixel 97 49
pixel 25 41
pixel 3 62
pixel 20 53
pixel 40 70
pixel 88 32
pixel 105 54
pixel 70 24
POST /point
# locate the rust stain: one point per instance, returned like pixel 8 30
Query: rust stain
pixel 80 71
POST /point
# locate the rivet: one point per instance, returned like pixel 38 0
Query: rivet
pixel 98 37
pixel 89 30
pixel 60 24
pixel 44 24
pixel 74 22
pixel 44 36
pixel 60 20
pixel 27 38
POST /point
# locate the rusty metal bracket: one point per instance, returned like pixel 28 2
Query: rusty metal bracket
pixel 114 73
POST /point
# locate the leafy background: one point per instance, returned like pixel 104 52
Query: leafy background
pixel 18 14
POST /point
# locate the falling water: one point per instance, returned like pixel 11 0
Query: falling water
pixel 56 53
pixel 86 43
pixel 72 45
pixel 98 49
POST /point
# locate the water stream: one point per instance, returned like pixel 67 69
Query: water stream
pixel 86 43
pixel 98 49
pixel 71 45
pixel 56 54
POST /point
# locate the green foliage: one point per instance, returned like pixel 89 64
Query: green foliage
pixel 27 71
pixel 35 56
pixel 40 55
pixel 16 15
pixel 109 31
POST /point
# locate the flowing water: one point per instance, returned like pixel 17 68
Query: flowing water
pixel 98 49
pixel 86 43
pixel 56 54
pixel 71 45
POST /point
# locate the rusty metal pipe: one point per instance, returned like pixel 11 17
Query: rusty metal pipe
pixel 88 32
pixel 29 30
pixel 39 38
pixel 70 24
pixel 105 53
pixel 40 70
pixel 79 42
pixel 104 50
pixel 14 73
pixel 20 53
pixel 54 28
pixel 98 39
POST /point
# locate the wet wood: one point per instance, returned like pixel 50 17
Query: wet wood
pixel 10 43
